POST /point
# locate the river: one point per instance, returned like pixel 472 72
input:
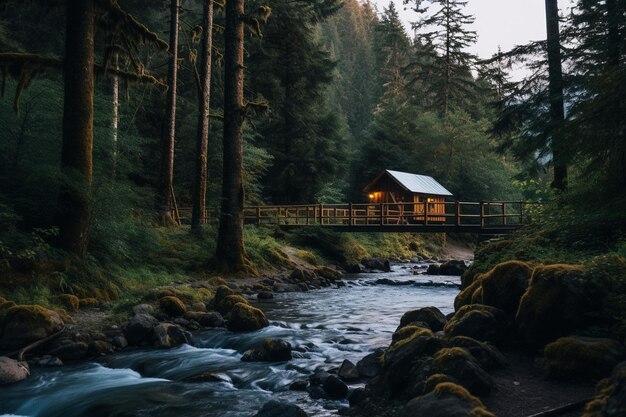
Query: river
pixel 324 327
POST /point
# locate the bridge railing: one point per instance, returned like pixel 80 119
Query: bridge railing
pixel 482 214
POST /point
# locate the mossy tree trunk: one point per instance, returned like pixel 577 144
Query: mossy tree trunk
pixel 557 111
pixel 165 191
pixel 74 206
pixel 198 216
pixel 230 255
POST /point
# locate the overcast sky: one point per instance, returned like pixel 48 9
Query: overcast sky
pixel 503 23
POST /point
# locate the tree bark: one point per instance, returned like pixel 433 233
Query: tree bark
pixel 74 208
pixel 557 112
pixel 198 215
pixel 165 195
pixel 116 116
pixel 230 254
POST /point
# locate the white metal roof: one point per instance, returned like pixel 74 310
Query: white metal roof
pixel 421 184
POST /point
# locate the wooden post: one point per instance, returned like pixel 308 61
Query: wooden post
pixel 482 214
pixel 307 215
pixel 258 215
pixel 504 213
pixel 425 212
pixel 350 214
pixel 382 214
pixel 458 213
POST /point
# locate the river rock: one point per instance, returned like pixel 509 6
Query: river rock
pixel 225 306
pixel 354 268
pixel 358 396
pixel 377 264
pixel 140 328
pixel 302 274
pixel 610 398
pixel 334 387
pixel 69 301
pixel 585 358
pixel 46 360
pixel 285 287
pixel 371 364
pixel 432 316
pixel 452 268
pixel 300 385
pixel 480 322
pixel 348 371
pixel 119 342
pixel 275 408
pixel 265 295
pixel 172 306
pixel 328 273
pixel 221 292
pixel 168 335
pixel 12 371
pixel 99 348
pixel 269 350
pixel 244 317
pixel 208 377
pixel 143 309
pixel 558 301
pixel 206 319
pixel 433 269
pixel 446 400
pixel 70 350
pixel 25 324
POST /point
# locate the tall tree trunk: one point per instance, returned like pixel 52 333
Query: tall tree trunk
pixel 116 116
pixel 230 255
pixel 198 215
pixel 165 195
pixel 557 112
pixel 76 157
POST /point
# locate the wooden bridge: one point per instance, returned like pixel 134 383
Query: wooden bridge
pixel 485 217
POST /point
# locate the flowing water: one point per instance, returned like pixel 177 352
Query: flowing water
pixel 324 327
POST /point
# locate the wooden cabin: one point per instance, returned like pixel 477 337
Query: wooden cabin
pixel 409 194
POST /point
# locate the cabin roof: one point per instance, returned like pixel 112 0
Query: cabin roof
pixel 414 183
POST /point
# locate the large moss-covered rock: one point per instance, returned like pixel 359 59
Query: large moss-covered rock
pixel 227 303
pixel 582 357
pixel 466 296
pixel 487 355
pixel 446 400
pixel 221 292
pixel 269 350
pixel 140 329
pixel 404 361
pixel 172 306
pixel 245 318
pixel 461 365
pixel 504 285
pixel 24 324
pixel 429 315
pixel 610 399
pixel 69 301
pixel 168 335
pixel 559 300
pixel 478 321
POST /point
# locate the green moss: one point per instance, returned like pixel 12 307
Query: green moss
pixel 465 296
pixel 576 357
pixel 69 301
pixel 226 305
pixel 244 317
pixel 172 306
pixel 455 390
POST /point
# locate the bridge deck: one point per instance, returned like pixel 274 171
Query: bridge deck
pixel 485 217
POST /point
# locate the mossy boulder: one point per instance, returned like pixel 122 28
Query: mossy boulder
pixel 610 398
pixel 504 285
pixel 402 362
pixel 460 364
pixel 222 292
pixel 24 324
pixel 466 295
pixel 436 379
pixel 486 354
pixel 478 321
pixel 172 306
pixel 245 318
pixel 206 319
pixel 429 315
pixel 69 301
pixel 405 332
pixel 4 306
pixel 452 268
pixel 168 335
pixel 269 350
pixel 582 357
pixel 446 400
pixel 225 305
pixel 140 329
pixel 559 300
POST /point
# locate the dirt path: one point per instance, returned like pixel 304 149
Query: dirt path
pixel 458 250
pixel 522 391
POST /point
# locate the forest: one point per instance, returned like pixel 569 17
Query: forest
pixel 133 133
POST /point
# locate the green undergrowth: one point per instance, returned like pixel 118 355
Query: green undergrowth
pixel 130 258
